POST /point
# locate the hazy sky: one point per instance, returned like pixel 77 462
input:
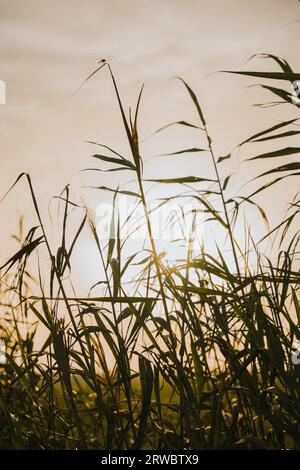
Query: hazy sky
pixel 48 48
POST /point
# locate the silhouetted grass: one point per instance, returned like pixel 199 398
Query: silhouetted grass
pixel 195 354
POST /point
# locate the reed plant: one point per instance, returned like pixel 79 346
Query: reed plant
pixel 200 353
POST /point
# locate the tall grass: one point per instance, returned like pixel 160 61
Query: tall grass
pixel 195 354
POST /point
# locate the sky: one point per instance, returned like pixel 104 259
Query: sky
pixel 47 50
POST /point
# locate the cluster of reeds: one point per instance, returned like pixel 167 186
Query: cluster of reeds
pixel 194 354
